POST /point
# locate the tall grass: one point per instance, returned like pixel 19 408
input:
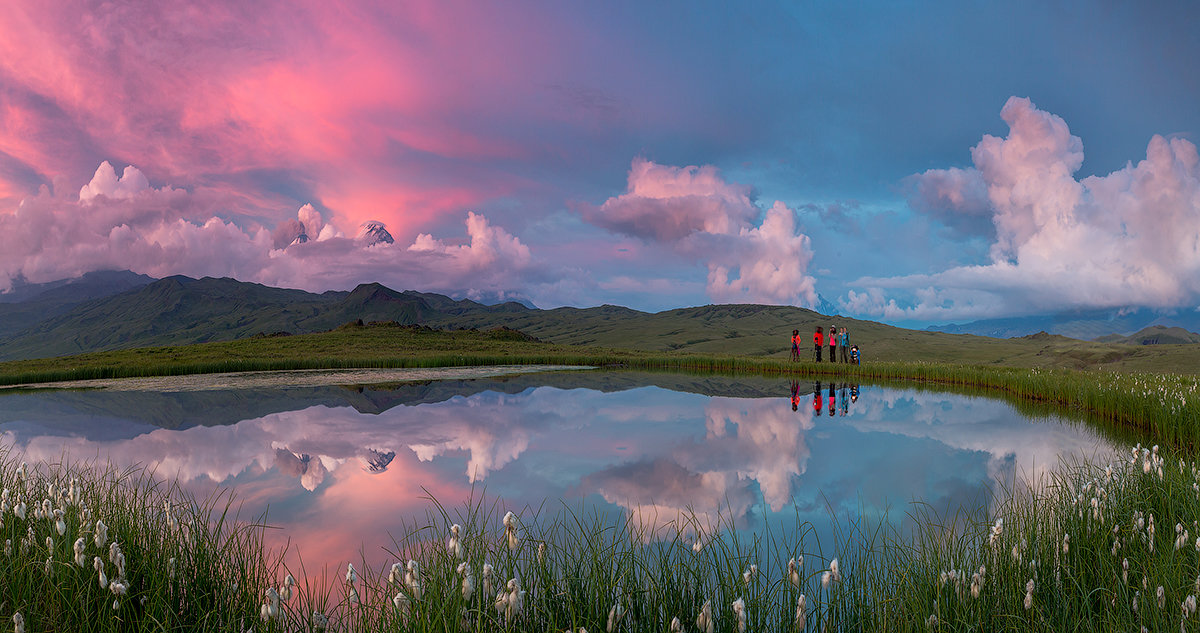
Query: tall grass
pixel 182 565
pixel 1087 549
pixel 1071 535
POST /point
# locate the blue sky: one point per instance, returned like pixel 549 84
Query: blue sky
pixel 652 156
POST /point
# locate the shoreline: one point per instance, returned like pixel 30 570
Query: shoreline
pixel 283 378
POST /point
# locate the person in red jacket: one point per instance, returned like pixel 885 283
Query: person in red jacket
pixel 795 345
pixel 833 343
pixel 818 342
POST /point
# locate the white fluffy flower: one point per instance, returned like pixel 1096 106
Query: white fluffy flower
pixel 704 621
pixel 739 609
pixel 793 570
pixel 615 614
pixel 801 612
pixel 510 529
pixel 453 545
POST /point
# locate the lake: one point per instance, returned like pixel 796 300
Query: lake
pixel 342 468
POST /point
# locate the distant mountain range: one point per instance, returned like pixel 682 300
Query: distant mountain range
pixel 1091 325
pixel 121 310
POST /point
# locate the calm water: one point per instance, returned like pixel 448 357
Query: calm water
pixel 340 469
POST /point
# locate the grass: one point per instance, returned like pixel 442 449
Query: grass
pixel 1163 408
pixel 188 565
pixel 1085 550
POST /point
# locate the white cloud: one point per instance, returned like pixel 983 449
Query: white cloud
pixel 693 211
pixel 124 223
pixel 1131 237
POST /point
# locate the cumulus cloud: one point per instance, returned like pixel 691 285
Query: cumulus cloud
pixel 693 211
pixel 1128 238
pixel 125 223
pixel 105 183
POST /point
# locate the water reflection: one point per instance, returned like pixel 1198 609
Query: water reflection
pixel 339 468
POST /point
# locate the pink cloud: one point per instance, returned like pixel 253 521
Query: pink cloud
pixel 1121 239
pixel 700 216
pixel 126 223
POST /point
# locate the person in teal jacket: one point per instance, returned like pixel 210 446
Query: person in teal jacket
pixel 844 343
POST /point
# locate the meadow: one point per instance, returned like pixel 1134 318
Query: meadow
pixel 1099 546
pixel 1160 407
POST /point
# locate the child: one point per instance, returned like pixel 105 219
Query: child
pixel 818 342
pixel 854 355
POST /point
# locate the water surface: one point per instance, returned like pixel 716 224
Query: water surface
pixel 341 469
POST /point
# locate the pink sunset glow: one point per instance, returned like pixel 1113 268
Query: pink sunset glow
pixel 608 154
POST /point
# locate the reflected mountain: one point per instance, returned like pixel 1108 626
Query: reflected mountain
pixel 340 467
pixel 73 411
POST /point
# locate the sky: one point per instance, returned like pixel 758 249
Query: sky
pixel 913 163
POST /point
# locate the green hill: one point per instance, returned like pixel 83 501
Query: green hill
pixel 1154 335
pixel 179 310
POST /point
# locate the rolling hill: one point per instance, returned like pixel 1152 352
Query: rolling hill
pixel 180 310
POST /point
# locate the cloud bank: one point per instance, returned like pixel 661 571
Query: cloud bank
pixel 125 223
pixel 1128 238
pixel 696 214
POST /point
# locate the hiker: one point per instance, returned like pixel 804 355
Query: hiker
pixel 844 343
pixel 795 395
pixel 833 343
pixel 844 403
pixel 795 345
pixel 818 342
pixel 853 393
pixel 817 398
pixel 855 357
pixel 832 399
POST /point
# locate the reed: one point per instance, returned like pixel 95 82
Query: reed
pixel 95 548
pixel 1086 549
pixel 1096 540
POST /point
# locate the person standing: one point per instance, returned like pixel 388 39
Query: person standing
pixel 795 345
pixel 844 343
pixel 818 343
pixel 817 399
pixel 833 335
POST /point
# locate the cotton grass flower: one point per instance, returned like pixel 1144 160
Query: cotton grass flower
pixel 81 552
pixel 739 609
pixel 793 570
pixel 510 601
pixel 997 530
pixel 18 621
pixel 676 626
pixel 453 546
pixel 98 563
pixel 487 580
pixel 19 510
pixel 510 529
pixel 750 575
pixel 1029 595
pixel 704 621
pixel 101 534
pixel 615 615
pixel 835 573
pixel 285 592
pixel 59 524
pixel 801 612
pixel 468 580
pixel 1160 596
pixel 412 578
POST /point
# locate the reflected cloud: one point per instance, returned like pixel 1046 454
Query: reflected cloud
pixel 334 478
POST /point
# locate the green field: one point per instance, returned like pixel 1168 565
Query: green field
pixel 1162 408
